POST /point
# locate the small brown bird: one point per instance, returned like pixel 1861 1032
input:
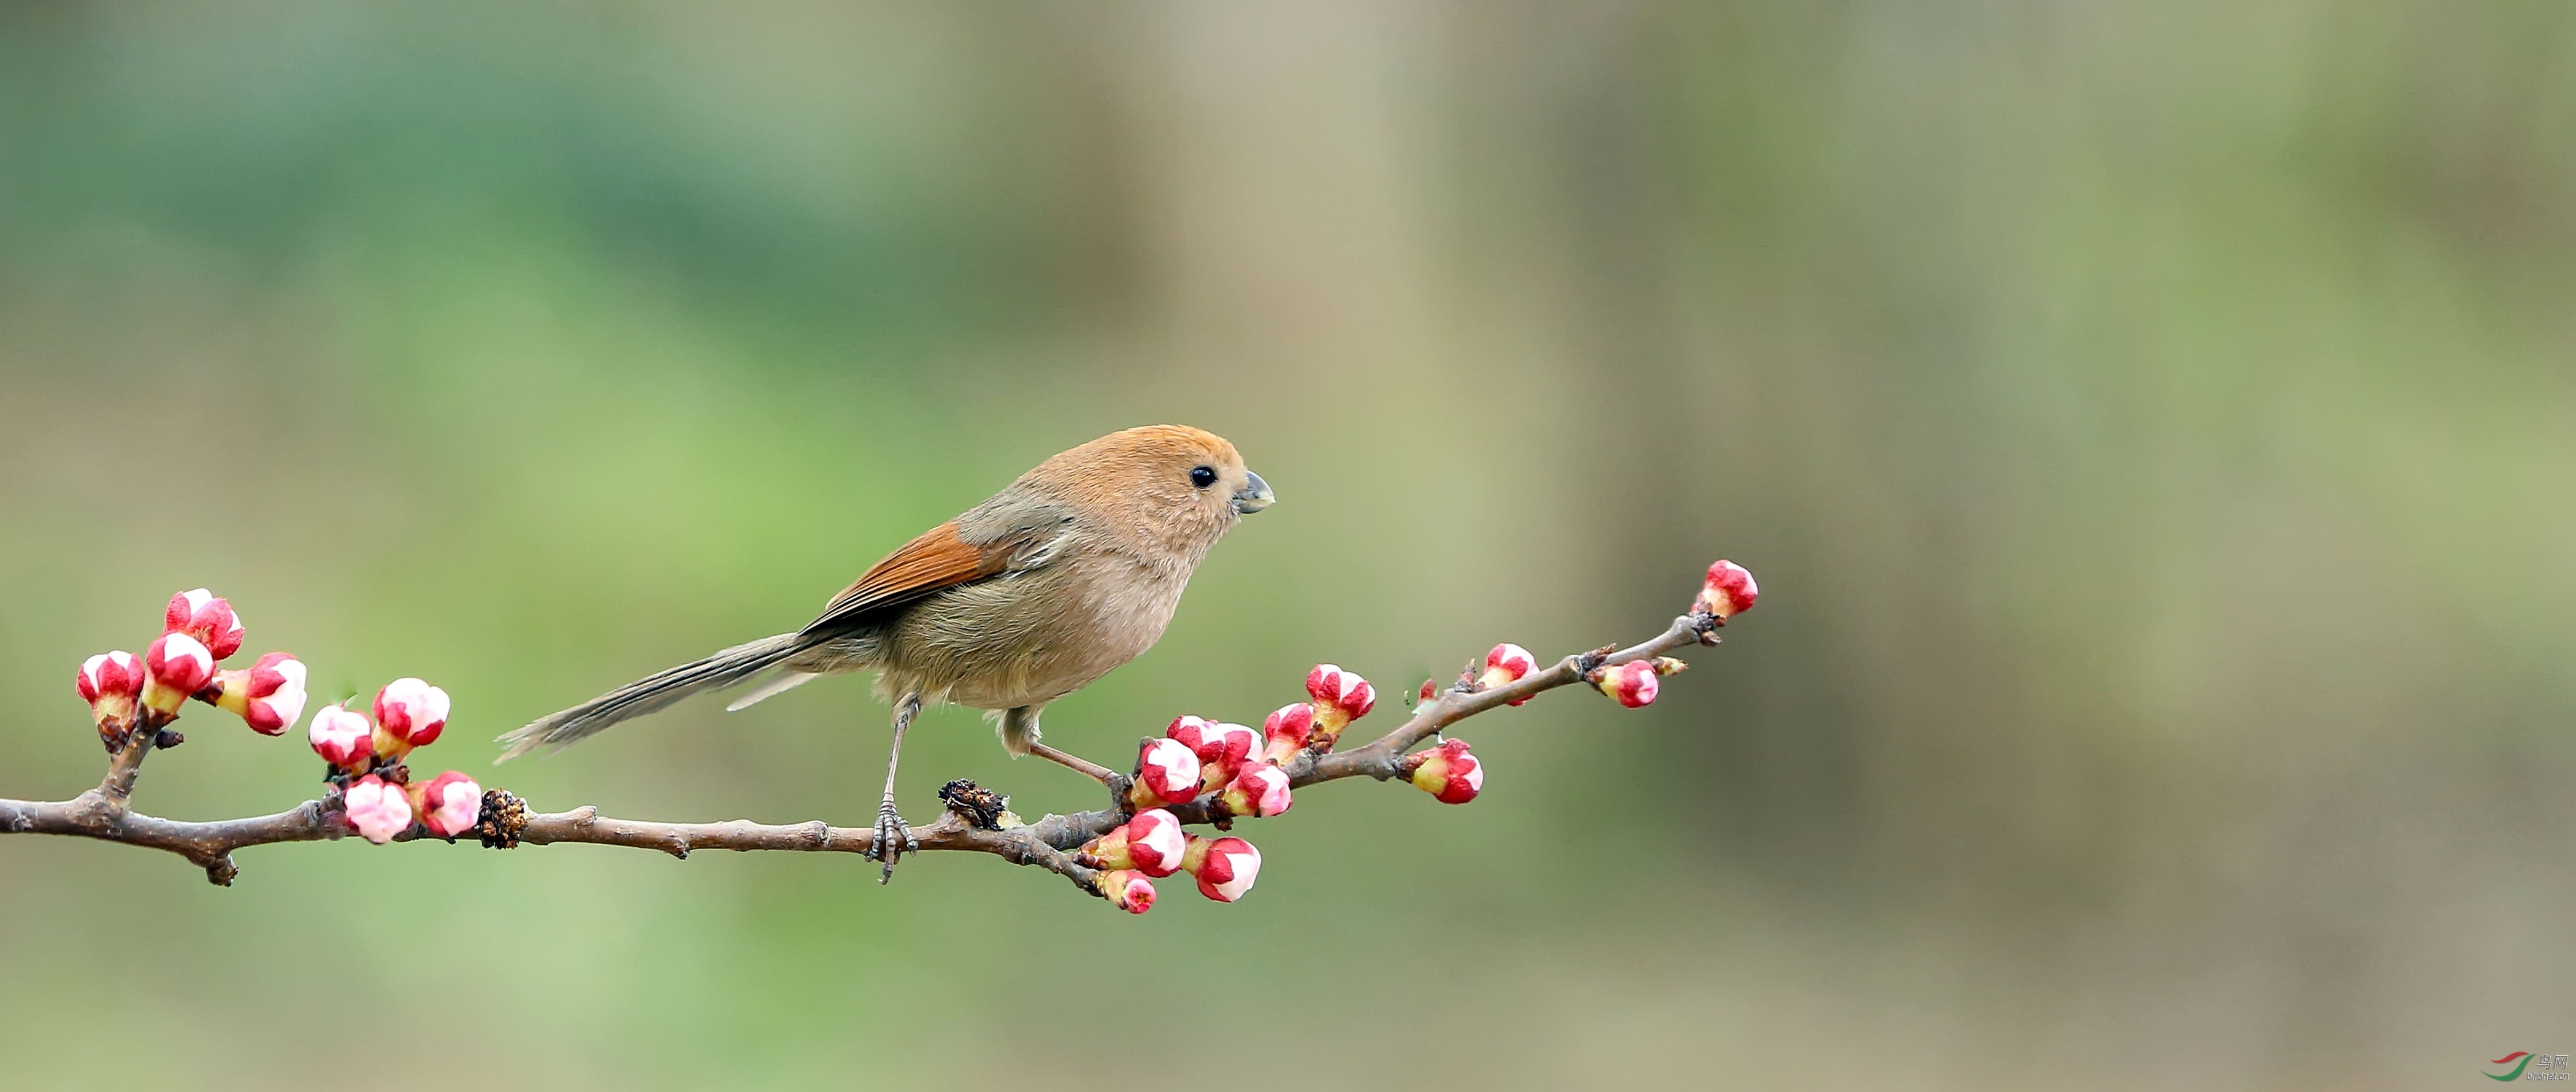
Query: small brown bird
pixel 1046 586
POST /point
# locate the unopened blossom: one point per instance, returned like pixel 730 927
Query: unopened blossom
pixel 377 808
pixel 1223 867
pixel 1261 791
pixel 1222 748
pixel 1127 890
pixel 1447 772
pixel 342 737
pixel 1167 772
pixel 1151 843
pixel 409 713
pixel 175 667
pixel 267 695
pixel 208 617
pixel 1508 663
pixel 448 804
pixel 1288 729
pixel 1729 590
pixel 1340 698
pixel 1632 683
pixel 111 682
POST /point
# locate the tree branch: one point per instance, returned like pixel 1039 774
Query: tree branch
pixel 104 813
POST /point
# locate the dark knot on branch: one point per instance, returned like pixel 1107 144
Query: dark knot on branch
pixel 503 817
pixel 980 807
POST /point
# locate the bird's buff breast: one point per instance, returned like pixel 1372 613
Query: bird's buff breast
pixel 1026 638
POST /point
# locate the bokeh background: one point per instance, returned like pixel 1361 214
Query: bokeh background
pixel 2151 424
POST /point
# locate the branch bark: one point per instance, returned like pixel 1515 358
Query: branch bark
pixel 104 814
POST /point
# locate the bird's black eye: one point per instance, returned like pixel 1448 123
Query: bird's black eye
pixel 1202 477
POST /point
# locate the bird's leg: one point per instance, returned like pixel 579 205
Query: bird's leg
pixel 893 838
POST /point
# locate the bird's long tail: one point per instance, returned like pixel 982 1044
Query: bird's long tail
pixel 653 692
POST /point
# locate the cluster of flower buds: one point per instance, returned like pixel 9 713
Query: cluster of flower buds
pixel 1729 591
pixel 1508 663
pixel 1222 749
pixel 199 629
pixel 1447 772
pixel 378 794
pixel 1340 697
pixel 380 808
pixel 1167 772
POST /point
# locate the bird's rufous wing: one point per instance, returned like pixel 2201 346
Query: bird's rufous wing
pixel 938 559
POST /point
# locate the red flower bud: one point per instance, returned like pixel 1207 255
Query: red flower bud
pixel 1151 843
pixel 411 713
pixel 1427 692
pixel 1447 772
pixel 1507 663
pixel 377 809
pixel 1340 698
pixel 342 737
pixel 1633 683
pixel 1288 728
pixel 175 667
pixel 203 615
pixel 1729 591
pixel 1166 773
pixel 1261 790
pixel 110 682
pixel 267 695
pixel 1222 748
pixel 449 804
pixel 1224 867
pixel 1126 890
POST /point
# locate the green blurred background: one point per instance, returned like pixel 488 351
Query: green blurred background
pixel 2150 424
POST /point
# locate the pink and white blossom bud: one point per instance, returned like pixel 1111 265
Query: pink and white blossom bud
pixel 1288 728
pixel 1151 843
pixel 1447 772
pixel 208 618
pixel 1261 791
pixel 1633 683
pixel 342 738
pixel 1224 867
pixel 1126 890
pixel 410 713
pixel 267 695
pixel 377 808
pixel 1222 748
pixel 1730 590
pixel 1166 773
pixel 1340 698
pixel 449 804
pixel 111 682
pixel 175 667
pixel 1508 663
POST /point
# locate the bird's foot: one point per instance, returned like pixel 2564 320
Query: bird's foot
pixel 893 840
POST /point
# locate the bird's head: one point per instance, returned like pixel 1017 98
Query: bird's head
pixel 1173 485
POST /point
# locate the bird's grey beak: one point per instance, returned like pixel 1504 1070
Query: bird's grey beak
pixel 1254 496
